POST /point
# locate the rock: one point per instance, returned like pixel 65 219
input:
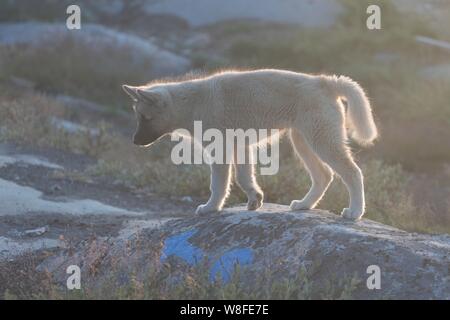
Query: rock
pixel 445 45
pixel 187 199
pixel 55 188
pixel 72 127
pixel 11 248
pixel 80 104
pixel 198 40
pixel 36 232
pixel 22 83
pixel 26 160
pixel 329 248
pixel 101 39
pixel 16 199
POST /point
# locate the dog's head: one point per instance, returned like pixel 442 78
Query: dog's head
pixel 152 112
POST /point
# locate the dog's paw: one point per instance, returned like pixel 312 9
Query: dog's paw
pixel 351 215
pixel 205 209
pixel 299 205
pixel 255 203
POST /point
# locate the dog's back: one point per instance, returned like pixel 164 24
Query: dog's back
pixel 257 99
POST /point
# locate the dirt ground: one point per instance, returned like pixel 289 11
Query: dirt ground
pixel 101 215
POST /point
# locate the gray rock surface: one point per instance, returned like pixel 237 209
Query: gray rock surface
pixel 413 266
pixel 101 39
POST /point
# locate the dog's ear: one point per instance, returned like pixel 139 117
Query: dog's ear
pixel 131 91
pixel 152 98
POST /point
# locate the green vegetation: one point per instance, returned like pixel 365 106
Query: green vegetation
pixel 71 66
pixel 28 118
pixel 195 283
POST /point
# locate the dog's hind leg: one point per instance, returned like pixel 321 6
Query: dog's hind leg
pixel 342 163
pixel 328 139
pixel 320 173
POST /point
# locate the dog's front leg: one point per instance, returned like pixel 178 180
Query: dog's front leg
pixel 220 187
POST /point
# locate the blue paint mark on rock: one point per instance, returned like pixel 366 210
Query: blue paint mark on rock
pixel 178 245
pixel 224 266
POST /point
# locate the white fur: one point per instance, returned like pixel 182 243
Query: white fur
pixel 306 106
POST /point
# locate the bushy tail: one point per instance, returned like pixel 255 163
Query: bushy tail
pixel 359 112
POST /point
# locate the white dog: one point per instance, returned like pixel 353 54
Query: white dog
pixel 308 107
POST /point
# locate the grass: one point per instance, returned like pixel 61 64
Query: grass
pixel 68 65
pixel 27 118
pixel 163 282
